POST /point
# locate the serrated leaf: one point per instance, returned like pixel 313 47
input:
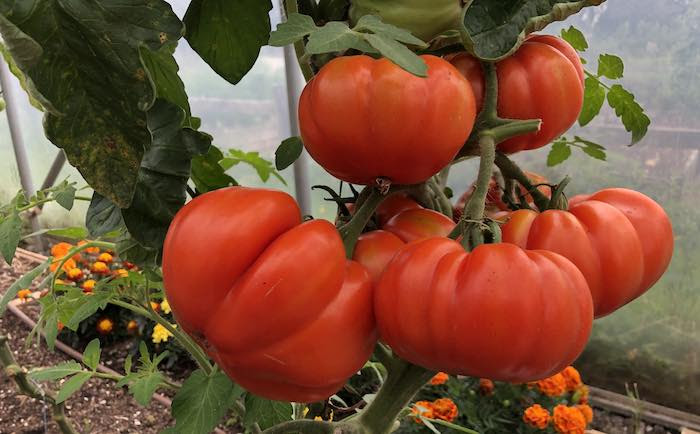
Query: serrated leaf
pixel 207 174
pixel 374 24
pixel 73 233
pixel 399 54
pixel 145 386
pixel 91 355
pixel 575 38
pixel 103 216
pixel 127 364
pixel 596 153
pixel 593 99
pixel 263 167
pixel 86 307
pixel 295 28
pixel 65 197
pixel 610 66
pixel 629 111
pixel 264 412
pixel 10 234
pixel 287 152
pixel 336 36
pixel 57 372
pixel 202 402
pixel 559 153
pixel 72 385
pixel 21 283
pixel 228 34
pixel 493 30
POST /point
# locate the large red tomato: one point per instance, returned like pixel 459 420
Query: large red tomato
pixel 498 312
pixel 542 80
pixel 620 239
pixel 236 265
pixel 415 224
pixel 362 118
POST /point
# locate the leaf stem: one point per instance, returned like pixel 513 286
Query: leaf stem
pixel 594 76
pixel 303 57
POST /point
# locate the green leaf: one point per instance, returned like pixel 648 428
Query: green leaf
pixel 65 196
pixel 337 36
pixel 57 372
pixel 131 250
pixel 399 54
pixel 575 38
pixel 610 66
pixel 559 153
pixel 494 29
pixel 91 355
pixel 73 233
pixel 86 307
pixel 202 402
pixel 294 29
pixel 83 64
pixel 10 234
pixel 593 99
pixel 165 169
pixel 72 385
pixel 263 167
pixel 375 25
pixel 207 174
pixel 629 111
pixel 591 148
pixel 145 386
pixel 20 77
pixel 265 412
pixel 287 152
pixel 103 216
pixel 228 34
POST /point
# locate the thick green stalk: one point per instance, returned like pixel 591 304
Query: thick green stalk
pixel 474 208
pixel 511 170
pixel 353 229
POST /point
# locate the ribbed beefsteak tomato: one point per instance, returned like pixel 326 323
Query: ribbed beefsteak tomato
pixel 272 300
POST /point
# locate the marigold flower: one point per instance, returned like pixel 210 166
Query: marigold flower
pixel 155 306
pixel 105 326
pixel 24 294
pixel 128 265
pixel 59 326
pixel 439 378
pixel 74 274
pixel 581 394
pixel 587 412
pixel 88 285
pixel 486 386
pixel 445 409
pixel 422 408
pixel 536 416
pixel 132 327
pixel 105 257
pixel 572 378
pixel 91 250
pixel 160 334
pixel 553 386
pixel 121 272
pixel 568 420
pixel 68 265
pixel 165 306
pixel 60 250
pixel 99 267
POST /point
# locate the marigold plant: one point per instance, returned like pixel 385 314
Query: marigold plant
pixel 439 378
pixel 553 386
pixel 536 416
pixel 568 420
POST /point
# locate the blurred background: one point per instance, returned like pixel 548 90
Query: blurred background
pixel 654 341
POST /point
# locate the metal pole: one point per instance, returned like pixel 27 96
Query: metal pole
pixel 295 84
pixel 54 170
pixel 25 174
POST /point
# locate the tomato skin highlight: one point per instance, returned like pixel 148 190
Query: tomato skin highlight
pixel 236 267
pixel 375 249
pixel 362 118
pixel 485 313
pixel 415 224
pixel 542 80
pixel 620 239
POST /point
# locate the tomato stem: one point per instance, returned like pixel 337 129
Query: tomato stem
pixel 511 170
pixel 558 200
pixel 353 229
pixel 303 57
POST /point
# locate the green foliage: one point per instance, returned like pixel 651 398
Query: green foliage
pixel 610 66
pixel 72 385
pixel 264 412
pixel 561 150
pixel 629 111
pixel 20 77
pixel 145 381
pixel 263 167
pixel 288 152
pixel 370 35
pixel 228 34
pixel 492 31
pixel 593 99
pixel 207 174
pixel 103 216
pixel 575 38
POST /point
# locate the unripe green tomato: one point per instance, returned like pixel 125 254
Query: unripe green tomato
pixel 425 19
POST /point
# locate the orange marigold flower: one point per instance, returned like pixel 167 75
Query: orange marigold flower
pixel 568 420
pixel 74 274
pixel 587 412
pixel 572 378
pixel 105 257
pixel 68 265
pixel 445 409
pixel 59 325
pixel 536 416
pixel 24 294
pixel 132 327
pixel 91 250
pixel 439 378
pixel 155 306
pixel 486 386
pixel 99 267
pixel 105 326
pixel 88 285
pixel 553 386
pixel 128 265
pixel 121 272
pixel 59 250
pixel 422 408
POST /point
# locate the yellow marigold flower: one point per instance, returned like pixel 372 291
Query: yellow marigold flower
pixel 121 273
pixel 105 326
pixel 165 306
pixel 24 294
pixel 88 285
pixel 99 267
pixel 586 411
pixel 568 420
pixel 445 409
pixel 160 334
pixel 105 257
pixel 422 408
pixel 572 378
pixel 74 274
pixel 486 386
pixel 91 250
pixel 536 416
pixel 132 327
pixel 553 386
pixel 439 378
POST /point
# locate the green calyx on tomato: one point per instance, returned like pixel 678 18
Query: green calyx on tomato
pixel 425 19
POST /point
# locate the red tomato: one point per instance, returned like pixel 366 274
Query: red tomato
pixel 498 312
pixel 392 205
pixel 374 250
pixel 494 195
pixel 416 224
pixel 362 118
pixel 542 80
pixel 620 239
pixel 236 270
